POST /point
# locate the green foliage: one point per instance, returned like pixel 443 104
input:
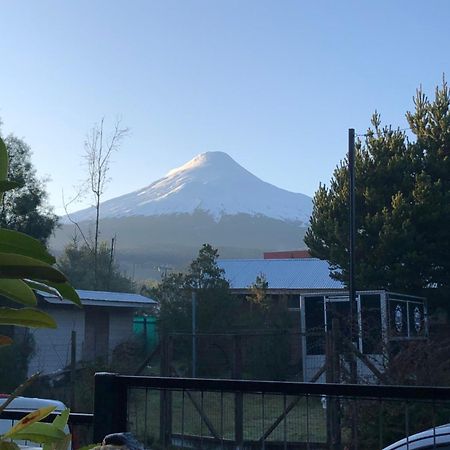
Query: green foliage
pixel 24 261
pixel 29 428
pixel 268 354
pixel 25 209
pixel 40 433
pixel 414 363
pixel 204 271
pixel 149 242
pixel 402 204
pixel 77 264
pixel 125 359
pixel 175 303
pixel 216 307
pixel 262 323
pixel 26 317
pixel 264 312
pixel 258 291
pixel 14 359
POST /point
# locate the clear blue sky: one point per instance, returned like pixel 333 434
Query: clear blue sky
pixel 276 84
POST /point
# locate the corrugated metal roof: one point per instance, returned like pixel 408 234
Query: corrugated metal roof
pixel 307 273
pixel 113 296
pixel 104 298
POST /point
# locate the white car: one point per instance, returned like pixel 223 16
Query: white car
pixel 28 404
pixel 438 438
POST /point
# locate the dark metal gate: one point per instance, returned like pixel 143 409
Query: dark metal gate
pixel 225 414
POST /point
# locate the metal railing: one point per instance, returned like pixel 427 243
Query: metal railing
pixel 225 414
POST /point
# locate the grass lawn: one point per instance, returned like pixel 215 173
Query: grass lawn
pixel 260 412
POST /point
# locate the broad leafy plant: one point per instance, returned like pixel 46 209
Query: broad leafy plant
pixel 25 266
pixel 30 428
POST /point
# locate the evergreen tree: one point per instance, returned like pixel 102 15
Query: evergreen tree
pixel 268 351
pixel 25 209
pixel 216 307
pixel 216 312
pixel 77 263
pixel 430 122
pixel 402 204
pixel 204 271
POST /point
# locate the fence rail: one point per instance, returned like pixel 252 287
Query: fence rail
pixel 225 414
pixel 74 418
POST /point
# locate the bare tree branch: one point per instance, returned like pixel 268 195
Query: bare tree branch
pixel 73 222
pixel 98 151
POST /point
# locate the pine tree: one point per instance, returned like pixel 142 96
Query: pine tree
pixel 216 307
pixel 402 204
pixel 25 209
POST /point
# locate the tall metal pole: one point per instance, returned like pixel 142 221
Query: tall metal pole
pixel 351 283
pixel 352 226
pixel 73 368
pixel 194 340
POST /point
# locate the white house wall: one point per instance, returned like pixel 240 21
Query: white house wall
pixel 53 346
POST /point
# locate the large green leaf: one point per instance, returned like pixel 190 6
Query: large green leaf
pixel 40 432
pixel 61 420
pixel 41 286
pixel 61 290
pixel 22 244
pixel 28 420
pixel 19 266
pixel 26 317
pixel 18 291
pixel 67 291
pixel 61 444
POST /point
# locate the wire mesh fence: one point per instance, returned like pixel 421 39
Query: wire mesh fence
pixel 251 355
pixel 213 414
pixel 315 356
pixel 202 419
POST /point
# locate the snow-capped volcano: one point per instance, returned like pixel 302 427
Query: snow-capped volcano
pixel 212 182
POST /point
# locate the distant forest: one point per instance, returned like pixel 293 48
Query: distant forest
pixel 147 245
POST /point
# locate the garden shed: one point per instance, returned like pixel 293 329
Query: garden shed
pixel 105 321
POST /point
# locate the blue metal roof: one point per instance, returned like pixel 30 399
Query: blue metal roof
pixel 296 274
pixel 113 296
pixel 104 298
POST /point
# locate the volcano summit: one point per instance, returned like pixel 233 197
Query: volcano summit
pixel 211 182
pixel 211 199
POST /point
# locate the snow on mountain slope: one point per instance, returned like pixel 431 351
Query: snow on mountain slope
pixel 212 182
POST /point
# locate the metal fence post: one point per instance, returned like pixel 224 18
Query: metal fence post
pixel 238 396
pixel 165 397
pixel 110 405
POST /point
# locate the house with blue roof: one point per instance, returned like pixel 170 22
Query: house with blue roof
pixel 304 286
pixel 284 276
pixel 105 321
